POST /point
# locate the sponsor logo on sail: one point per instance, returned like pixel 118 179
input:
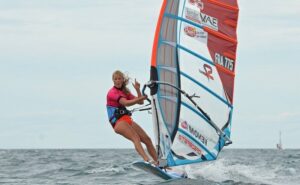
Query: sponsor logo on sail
pixel 201 18
pixel 209 21
pixel 195 33
pixel 224 61
pixel 207 71
pixel 192 15
pixel 187 142
pixel 184 125
pixel 194 132
pixel 197 3
pixel 190 31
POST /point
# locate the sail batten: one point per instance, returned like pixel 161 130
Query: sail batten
pixel 192 79
pixel 208 90
pixel 211 31
pixel 172 44
pixel 199 114
pixel 225 5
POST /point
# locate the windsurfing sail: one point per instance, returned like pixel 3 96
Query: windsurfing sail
pixel 192 79
pixel 279 145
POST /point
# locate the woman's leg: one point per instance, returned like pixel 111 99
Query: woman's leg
pixel 146 140
pixel 128 132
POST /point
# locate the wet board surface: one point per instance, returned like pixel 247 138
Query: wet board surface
pixel 157 171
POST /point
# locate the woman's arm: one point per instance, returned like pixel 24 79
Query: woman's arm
pixel 137 86
pixel 137 100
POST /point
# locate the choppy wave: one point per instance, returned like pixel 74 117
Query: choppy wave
pixel 104 166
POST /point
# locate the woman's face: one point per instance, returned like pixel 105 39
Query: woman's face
pixel 118 80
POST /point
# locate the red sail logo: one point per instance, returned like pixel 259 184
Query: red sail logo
pixel 190 31
pixel 207 71
pixel 198 3
pixel 184 125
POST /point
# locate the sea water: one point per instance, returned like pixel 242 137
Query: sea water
pixel 114 166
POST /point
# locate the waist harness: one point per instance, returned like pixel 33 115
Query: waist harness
pixel 119 112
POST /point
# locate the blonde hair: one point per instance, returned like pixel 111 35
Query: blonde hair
pixel 125 78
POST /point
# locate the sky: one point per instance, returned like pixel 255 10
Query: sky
pixel 57 58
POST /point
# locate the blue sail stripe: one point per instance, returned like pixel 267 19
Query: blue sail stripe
pixel 159 96
pixel 189 107
pixel 197 142
pixel 201 85
pixel 189 51
pixel 183 20
pixel 227 131
pixel 186 161
pixel 184 48
pixel 197 112
pixel 204 118
pixel 207 89
pixel 167 68
pixel 179 33
pixel 163 116
pixel 196 55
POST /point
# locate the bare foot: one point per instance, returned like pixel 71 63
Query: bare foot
pixel 154 163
